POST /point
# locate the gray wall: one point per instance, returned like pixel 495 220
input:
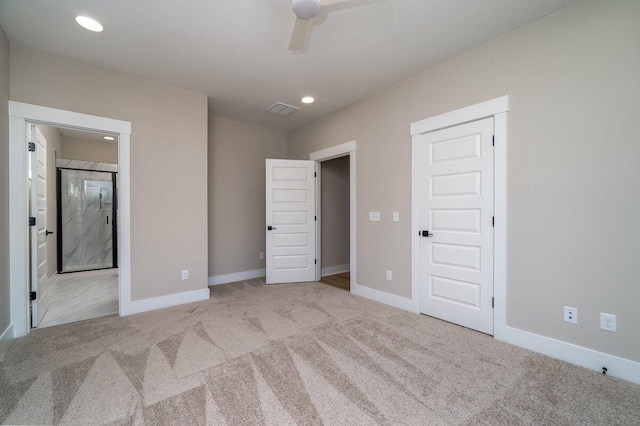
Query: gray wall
pixel 237 153
pixel 573 167
pixel 168 160
pixel 5 316
pixel 78 149
pixel 54 144
pixel 335 212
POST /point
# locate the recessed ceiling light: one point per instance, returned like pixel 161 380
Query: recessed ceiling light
pixel 307 100
pixel 109 138
pixel 89 23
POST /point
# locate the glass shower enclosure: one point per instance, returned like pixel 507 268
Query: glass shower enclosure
pixel 87 220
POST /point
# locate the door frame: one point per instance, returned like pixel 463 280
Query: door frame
pixel 498 109
pixel 337 151
pixel 19 115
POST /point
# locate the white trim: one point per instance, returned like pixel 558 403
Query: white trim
pixel 6 338
pixel 124 222
pixel 460 116
pixel 318 213
pixel 338 269
pixel 588 358
pixel 19 115
pixel 59 117
pixel 383 297
pixel 347 148
pixel 352 215
pixel 18 227
pixel 500 229
pixel 237 276
pixel 415 223
pixel 333 152
pixel 138 306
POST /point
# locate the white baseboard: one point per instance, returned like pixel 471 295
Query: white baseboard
pixel 574 354
pixel 237 276
pixel 338 269
pixel 6 338
pixel 138 306
pixel 383 297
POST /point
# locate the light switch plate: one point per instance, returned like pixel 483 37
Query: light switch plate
pixel 374 216
pixel 396 216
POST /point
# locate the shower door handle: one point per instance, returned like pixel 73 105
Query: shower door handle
pixel 46 233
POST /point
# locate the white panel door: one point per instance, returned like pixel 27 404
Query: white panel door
pixel 291 242
pixel 38 209
pixel 456 218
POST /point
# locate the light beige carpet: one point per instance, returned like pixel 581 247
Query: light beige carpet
pixel 294 354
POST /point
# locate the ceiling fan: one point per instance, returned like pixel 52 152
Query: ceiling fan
pixel 306 10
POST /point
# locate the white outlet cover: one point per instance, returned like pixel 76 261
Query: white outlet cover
pixel 607 322
pixel 261 255
pixel 185 274
pixel 389 275
pixel 374 216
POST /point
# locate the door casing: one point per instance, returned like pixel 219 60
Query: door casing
pixel 19 115
pixel 498 109
pixel 342 150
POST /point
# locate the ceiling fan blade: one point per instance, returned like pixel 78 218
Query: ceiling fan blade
pixel 332 2
pixel 299 34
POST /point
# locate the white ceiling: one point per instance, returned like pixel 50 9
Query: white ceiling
pixel 235 51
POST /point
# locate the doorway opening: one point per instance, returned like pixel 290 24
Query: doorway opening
pixel 27 231
pixel 73 196
pixel 335 272
pixel 334 217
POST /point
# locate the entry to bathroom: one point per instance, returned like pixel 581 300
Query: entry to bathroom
pixel 73 193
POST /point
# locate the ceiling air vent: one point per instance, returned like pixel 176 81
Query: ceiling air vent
pixel 282 109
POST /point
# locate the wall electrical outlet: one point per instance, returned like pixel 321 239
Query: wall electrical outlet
pixel 185 274
pixel 389 275
pixel 608 322
pixel 396 216
pixel 374 216
pixel 261 255
pixel 570 315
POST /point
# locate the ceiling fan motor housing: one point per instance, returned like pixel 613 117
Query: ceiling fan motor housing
pixel 306 9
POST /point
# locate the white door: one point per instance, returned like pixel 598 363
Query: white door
pixel 456 218
pixel 38 210
pixel 290 215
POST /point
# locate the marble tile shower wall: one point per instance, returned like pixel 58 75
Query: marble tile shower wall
pixel 87 220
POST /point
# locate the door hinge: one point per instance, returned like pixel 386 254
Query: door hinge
pixel 32 146
pixel 493 221
pixel 315 174
pixel 315 261
pixel 32 295
pixel 494 140
pixel 315 218
pixel 493 300
pixel 32 221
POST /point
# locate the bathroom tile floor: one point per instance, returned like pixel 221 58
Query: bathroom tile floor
pixel 82 295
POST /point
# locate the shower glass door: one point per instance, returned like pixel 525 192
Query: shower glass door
pixel 87 220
